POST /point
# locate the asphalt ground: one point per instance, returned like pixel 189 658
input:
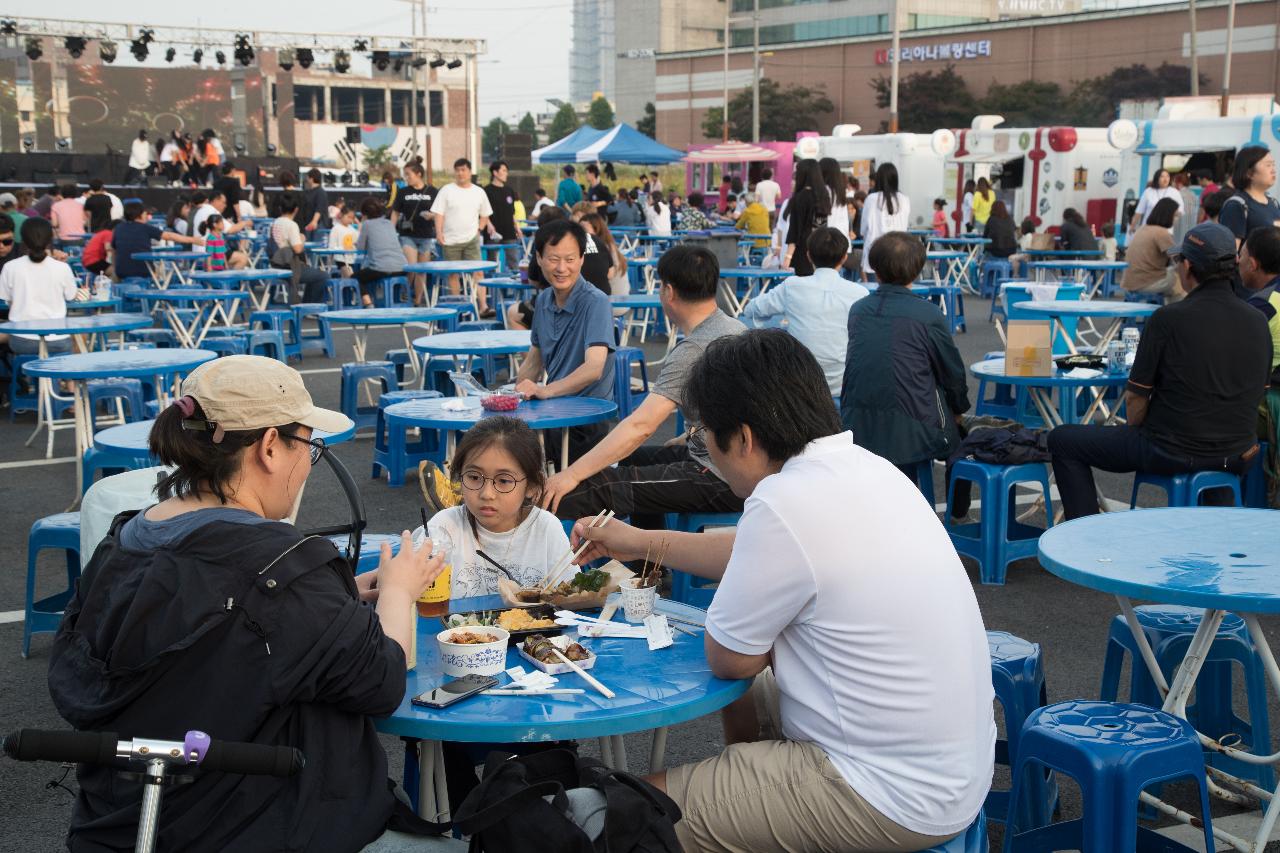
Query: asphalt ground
pixel 1070 623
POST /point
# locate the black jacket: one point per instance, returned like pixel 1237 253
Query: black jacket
pixel 1004 242
pixel 904 381
pixel 249 633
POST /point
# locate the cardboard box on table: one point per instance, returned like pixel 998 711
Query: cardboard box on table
pixel 1029 348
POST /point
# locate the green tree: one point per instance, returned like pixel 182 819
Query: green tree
pixel 377 159
pixel 600 113
pixel 783 112
pixel 928 100
pixel 1093 102
pixel 563 123
pixel 527 124
pixel 491 137
pixel 1031 103
pixel 648 125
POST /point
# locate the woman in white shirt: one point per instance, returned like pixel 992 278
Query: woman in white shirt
pixel 885 210
pixel 1161 186
pixel 37 287
pixel 838 218
pixel 658 216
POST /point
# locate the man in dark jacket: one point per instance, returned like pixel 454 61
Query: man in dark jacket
pixel 904 381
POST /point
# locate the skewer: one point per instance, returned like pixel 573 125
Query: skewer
pixel 605 691
pixel 545 582
pixel 573 555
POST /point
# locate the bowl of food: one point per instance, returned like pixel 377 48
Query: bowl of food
pixel 500 402
pixel 473 650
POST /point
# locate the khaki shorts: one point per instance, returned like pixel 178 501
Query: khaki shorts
pixel 462 251
pixel 779 795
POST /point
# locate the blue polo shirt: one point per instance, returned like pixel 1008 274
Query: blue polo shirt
pixel 128 239
pixel 563 334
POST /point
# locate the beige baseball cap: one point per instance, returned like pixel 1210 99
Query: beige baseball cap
pixel 244 392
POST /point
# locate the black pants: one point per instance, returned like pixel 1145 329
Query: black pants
pixel 648 483
pixel 315 284
pixel 1079 448
pixel 369 279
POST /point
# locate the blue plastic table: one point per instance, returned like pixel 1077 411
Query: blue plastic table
pixel 498 251
pixel 91 304
pixel 360 319
pixel 191 327
pixel 1218 559
pixel 159 365
pixel 244 281
pixel 135 437
pixel 1062 253
pixel 467 271
pixel 1040 389
pixel 557 413
pixel 641 308
pixel 1100 274
pixel 757 281
pixel 165 266
pixel 473 344
pixel 1116 312
pixel 654 690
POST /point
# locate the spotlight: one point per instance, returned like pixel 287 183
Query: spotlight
pixel 197 55
pixel 221 57
pixel 244 50
pixel 341 61
pixel 438 62
pixel 63 143
pixel 75 46
pixel 8 27
pixel 146 35
pixel 241 148
pixel 34 50
pixel 138 48
pixel 170 54
pixel 381 59
pixel 363 177
pixel 398 65
pixel 305 57
pixel 455 63
pixel 107 51
pixel 346 179
pixel 329 178
pixel 271 149
pixel 284 58
pixel 418 61
pixel 28 142
pixel 361 45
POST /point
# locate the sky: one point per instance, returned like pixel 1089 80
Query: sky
pixel 528 40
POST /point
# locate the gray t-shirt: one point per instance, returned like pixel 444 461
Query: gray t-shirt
pixel 142 534
pixel 675 371
pixel 381 245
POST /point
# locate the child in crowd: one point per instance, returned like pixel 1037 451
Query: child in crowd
pixel 1026 234
pixel 94 258
pixel 499 529
pixel 215 245
pixel 940 218
pixel 1108 242
pixel 343 236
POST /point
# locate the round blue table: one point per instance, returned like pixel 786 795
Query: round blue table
pixel 360 319
pixel 467 272
pixel 1219 559
pixel 1101 274
pixel 498 251
pixel 757 281
pixel 465 347
pixel 134 438
pixel 655 689
pixel 958 270
pixel 165 266
pixel 91 304
pixel 1062 253
pixel 159 365
pixel 557 413
pixel 244 281
pixel 1040 389
pixel 646 304
pixel 1116 312
pixel 191 327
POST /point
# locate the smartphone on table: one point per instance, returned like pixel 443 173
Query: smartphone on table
pixel 454 691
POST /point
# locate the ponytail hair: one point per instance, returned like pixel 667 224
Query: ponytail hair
pixel 212 220
pixel 655 201
pixel 37 236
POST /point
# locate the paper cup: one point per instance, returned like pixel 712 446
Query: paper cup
pixel 638 602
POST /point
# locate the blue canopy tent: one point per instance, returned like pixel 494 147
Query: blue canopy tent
pixel 620 144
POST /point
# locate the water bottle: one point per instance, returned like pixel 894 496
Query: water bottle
pixel 102 287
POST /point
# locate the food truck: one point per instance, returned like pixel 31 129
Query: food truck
pixel 919 158
pixel 1038 172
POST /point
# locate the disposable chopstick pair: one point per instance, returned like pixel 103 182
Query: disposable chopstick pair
pixel 604 691
pixel 516 691
pixel 553 576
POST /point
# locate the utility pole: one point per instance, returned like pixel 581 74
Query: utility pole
pixel 724 123
pixel 893 72
pixel 1195 58
pixel 755 71
pixel 1226 64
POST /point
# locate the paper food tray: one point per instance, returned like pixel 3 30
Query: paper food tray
pixel 507 589
pixel 559 668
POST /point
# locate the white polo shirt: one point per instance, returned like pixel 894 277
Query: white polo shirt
pixel 841 567
pixel 462 208
pixel 767 192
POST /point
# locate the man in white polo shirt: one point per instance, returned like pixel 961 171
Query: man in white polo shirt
pixel 869 725
pixel 767 192
pixel 461 211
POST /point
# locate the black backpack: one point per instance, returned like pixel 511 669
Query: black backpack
pixel 509 812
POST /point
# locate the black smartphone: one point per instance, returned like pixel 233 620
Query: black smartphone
pixel 452 691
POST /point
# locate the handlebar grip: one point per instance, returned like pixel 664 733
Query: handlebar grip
pixel 253 759
pixel 80 747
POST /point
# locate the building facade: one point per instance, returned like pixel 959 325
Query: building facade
pixel 1061 49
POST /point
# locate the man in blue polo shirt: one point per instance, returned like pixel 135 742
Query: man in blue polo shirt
pixel 134 235
pixel 572 333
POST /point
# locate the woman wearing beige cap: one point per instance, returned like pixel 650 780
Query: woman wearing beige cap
pixel 204 612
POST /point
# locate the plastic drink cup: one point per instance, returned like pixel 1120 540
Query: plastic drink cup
pixel 638 602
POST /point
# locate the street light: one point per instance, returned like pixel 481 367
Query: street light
pixel 754 18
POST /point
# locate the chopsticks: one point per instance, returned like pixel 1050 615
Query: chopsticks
pixel 515 691
pixel 605 691
pixel 551 577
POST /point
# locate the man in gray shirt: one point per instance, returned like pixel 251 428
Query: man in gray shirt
pixel 649 481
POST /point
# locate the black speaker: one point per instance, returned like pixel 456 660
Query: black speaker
pixel 353 135
pixel 516 150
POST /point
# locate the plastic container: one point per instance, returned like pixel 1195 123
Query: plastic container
pixel 460 659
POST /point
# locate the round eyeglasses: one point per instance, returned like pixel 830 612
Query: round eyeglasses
pixel 503 483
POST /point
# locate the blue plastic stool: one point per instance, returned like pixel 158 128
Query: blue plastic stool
pixel 1017 674
pixel 401 358
pixel 323 338
pixel 126 391
pixel 163 338
pixel 96 460
pixel 626 398
pixel 1186 489
pixel 1254 483
pixel 19 402
pixel 1168 629
pixel 264 342
pixel 396 292
pixel 993 269
pixel 339 291
pixel 53 531
pixel 426 447
pixel 686 588
pixel 353 375
pixel 1114 751
pixel 281 320
pixel 224 346
pixel 972 840
pixel 1148 298
pixel 998 538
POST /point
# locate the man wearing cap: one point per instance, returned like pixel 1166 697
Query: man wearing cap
pixel 204 611
pixel 1203 365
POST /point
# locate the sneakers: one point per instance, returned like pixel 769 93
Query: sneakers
pixel 438 491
